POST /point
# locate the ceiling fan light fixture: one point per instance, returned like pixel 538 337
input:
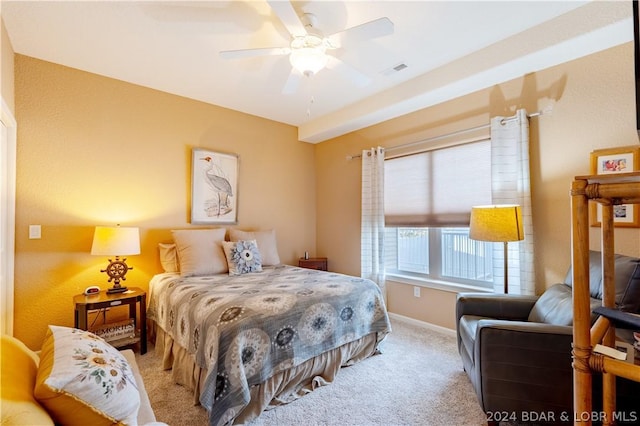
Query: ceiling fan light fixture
pixel 308 60
pixel 308 54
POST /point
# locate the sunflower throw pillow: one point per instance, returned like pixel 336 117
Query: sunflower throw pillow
pixel 84 380
pixel 243 256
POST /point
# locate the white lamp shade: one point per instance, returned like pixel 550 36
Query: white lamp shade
pixel 115 241
pixel 498 223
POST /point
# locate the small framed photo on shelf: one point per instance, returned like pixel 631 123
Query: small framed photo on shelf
pixel 624 159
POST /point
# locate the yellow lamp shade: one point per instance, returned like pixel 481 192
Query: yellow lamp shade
pixel 499 223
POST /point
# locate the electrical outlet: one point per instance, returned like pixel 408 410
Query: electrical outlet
pixel 416 291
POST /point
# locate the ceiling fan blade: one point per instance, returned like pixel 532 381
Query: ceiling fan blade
pixel 250 53
pixel 290 19
pixel 355 76
pixel 372 29
pixel 291 86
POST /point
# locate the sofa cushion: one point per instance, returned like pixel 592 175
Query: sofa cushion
pixel 84 380
pixel 18 378
pixel 467 331
pixel 555 306
pixel 627 280
pixel 628 297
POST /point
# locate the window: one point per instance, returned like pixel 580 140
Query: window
pixel 441 254
pixel 428 200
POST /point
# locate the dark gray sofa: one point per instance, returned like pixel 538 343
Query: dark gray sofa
pixel 516 350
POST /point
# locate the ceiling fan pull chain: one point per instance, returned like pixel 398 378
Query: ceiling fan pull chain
pixel 311 100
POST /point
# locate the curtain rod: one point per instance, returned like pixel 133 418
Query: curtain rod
pixel 456 133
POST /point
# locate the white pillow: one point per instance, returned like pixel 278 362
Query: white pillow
pixel 243 257
pixel 200 251
pixel 84 380
pixel 266 241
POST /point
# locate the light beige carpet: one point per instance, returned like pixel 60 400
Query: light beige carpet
pixel 417 380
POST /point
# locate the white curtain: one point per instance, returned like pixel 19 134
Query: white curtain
pixel 372 224
pixel 511 184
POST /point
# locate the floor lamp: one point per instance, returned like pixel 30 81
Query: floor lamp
pixel 497 223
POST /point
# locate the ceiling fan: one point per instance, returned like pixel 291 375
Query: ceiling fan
pixel 308 49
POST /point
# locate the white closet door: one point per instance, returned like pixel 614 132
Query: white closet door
pixel 7 216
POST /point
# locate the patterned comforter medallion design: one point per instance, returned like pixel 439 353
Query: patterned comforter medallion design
pixel 244 329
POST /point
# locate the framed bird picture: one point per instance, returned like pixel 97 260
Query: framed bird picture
pixel 214 187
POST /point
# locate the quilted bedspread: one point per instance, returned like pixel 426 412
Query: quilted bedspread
pixel 245 328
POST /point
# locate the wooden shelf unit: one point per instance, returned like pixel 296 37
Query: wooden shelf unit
pixel 607 190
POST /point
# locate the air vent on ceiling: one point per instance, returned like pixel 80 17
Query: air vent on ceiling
pixel 394 69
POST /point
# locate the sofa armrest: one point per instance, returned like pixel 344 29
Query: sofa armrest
pixel 498 306
pixel 523 364
pixel 146 416
pixel 527 330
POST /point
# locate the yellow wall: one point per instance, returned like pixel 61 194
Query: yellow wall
pixel 97 151
pixel 93 150
pixel 593 107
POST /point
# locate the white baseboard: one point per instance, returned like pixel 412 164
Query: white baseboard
pixel 423 324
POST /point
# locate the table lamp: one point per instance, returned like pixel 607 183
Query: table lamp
pixel 116 241
pixel 497 223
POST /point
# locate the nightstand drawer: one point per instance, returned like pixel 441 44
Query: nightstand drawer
pixel 319 263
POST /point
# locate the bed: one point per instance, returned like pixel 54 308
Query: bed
pixel 250 341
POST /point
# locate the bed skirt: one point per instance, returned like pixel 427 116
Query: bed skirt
pixel 282 388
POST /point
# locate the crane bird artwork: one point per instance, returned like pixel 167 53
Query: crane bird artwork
pixel 215 174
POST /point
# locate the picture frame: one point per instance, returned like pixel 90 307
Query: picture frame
pixel 214 187
pixel 624 159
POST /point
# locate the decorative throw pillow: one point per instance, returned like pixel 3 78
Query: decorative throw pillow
pixel 169 257
pixel 242 257
pixel 84 380
pixel 266 243
pixel 200 251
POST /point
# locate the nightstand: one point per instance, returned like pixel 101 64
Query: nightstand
pixel 319 263
pixel 84 304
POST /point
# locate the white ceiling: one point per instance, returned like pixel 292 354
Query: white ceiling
pixel 451 48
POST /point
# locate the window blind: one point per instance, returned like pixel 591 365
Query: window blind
pixel 437 188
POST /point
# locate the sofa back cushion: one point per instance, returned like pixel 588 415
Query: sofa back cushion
pixel 627 280
pixel 18 377
pixel 555 306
